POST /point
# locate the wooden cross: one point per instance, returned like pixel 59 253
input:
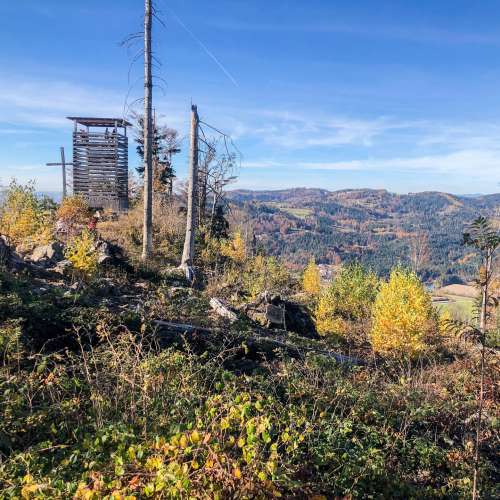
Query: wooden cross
pixel 63 165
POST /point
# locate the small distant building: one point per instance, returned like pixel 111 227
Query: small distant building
pixel 100 161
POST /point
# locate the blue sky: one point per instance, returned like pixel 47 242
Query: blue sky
pixel 402 95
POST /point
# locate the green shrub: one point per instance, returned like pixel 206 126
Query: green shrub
pixel 10 335
pixel 347 300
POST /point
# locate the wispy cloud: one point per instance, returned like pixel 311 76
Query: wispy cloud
pixel 296 131
pixel 472 163
pixel 44 104
pixel 382 144
pixel 309 130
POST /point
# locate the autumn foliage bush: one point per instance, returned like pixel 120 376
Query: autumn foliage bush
pixel 169 225
pixel 25 218
pixel 243 275
pixel 234 248
pixel 404 320
pixel 311 279
pixel 81 252
pixel 73 211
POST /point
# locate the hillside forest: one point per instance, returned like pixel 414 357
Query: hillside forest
pixel 421 231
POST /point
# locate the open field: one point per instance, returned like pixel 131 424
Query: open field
pixel 301 213
pixel 460 308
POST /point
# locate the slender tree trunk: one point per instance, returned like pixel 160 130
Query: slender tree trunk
pixel 202 206
pixel 482 327
pixel 63 166
pixel 188 252
pixel 147 236
pixel 215 201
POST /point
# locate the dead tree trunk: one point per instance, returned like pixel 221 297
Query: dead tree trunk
pixel 188 252
pixel 147 235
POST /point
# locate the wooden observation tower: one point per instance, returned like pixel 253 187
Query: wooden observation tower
pixel 100 161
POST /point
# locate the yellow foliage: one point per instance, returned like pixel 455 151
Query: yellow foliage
pixel 235 248
pixel 73 210
pixel 23 218
pixel 82 254
pixel 326 323
pixel 210 251
pixel 311 279
pixel 403 316
pixel 445 319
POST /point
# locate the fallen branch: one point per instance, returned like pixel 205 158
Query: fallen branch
pixel 255 343
pixel 223 310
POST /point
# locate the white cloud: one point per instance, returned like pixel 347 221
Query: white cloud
pixel 45 103
pixel 301 131
pixel 473 163
pixel 379 144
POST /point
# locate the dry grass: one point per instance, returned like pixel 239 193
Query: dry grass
pixel 168 231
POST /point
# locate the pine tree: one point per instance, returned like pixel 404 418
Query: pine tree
pixel 165 144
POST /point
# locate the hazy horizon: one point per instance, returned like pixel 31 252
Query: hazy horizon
pixel 57 195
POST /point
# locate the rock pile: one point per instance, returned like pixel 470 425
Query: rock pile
pixel 50 257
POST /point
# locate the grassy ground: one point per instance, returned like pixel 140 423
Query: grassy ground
pixel 300 213
pixel 460 308
pixel 111 415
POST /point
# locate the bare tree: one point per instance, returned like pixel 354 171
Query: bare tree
pixel 147 237
pixel 205 167
pixel 218 177
pixel 419 250
pixel 188 252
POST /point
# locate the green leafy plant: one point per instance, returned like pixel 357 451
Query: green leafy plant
pixel 347 300
pixel 81 252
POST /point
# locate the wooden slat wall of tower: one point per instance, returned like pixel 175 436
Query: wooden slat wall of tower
pixel 100 171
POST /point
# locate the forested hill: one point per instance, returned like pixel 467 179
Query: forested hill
pixel 375 226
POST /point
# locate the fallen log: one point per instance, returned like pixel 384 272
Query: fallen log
pixel 255 344
pixel 223 310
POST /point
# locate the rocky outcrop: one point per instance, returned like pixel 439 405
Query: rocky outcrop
pixel 47 255
pixel 8 255
pixel 272 311
pixel 63 267
pixel 109 254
